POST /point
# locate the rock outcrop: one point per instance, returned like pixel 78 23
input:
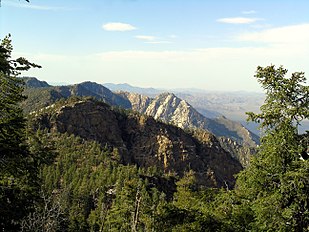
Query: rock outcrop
pixel 165 107
pixel 141 140
pixel 171 109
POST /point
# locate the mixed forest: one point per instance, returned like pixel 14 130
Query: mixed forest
pixel 58 181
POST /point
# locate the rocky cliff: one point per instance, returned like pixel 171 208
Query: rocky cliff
pixel 165 107
pixel 171 109
pixel 141 140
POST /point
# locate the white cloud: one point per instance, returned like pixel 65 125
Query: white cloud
pixel 249 12
pixel 288 36
pixel 146 37
pixel 116 26
pixel 238 20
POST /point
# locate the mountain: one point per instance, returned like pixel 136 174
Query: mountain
pixel 141 140
pixel 43 95
pixel 171 109
pixel 99 92
pixel 233 105
pixel 211 104
pixel 35 83
pixel 166 107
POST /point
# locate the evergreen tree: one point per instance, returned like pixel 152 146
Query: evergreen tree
pixel 17 166
pixel 276 184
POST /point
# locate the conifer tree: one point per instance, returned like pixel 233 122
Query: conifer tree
pixel 17 166
pixel 276 184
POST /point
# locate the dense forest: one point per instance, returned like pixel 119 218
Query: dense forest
pixel 53 181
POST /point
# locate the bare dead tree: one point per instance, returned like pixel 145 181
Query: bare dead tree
pixel 47 217
pixel 138 199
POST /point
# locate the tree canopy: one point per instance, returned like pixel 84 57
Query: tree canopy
pixel 276 184
pixel 17 169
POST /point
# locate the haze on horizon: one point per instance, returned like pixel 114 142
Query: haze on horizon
pixel 213 45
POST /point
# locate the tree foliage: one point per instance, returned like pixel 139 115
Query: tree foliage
pixel 287 99
pixel 276 184
pixel 17 167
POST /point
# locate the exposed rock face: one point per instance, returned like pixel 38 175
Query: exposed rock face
pixel 166 107
pixel 171 109
pixel 138 102
pixel 242 153
pixel 142 140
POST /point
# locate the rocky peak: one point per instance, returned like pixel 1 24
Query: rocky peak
pixel 171 109
pixel 143 141
pixel 166 107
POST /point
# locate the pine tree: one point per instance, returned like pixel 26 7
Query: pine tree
pixel 276 184
pixel 17 166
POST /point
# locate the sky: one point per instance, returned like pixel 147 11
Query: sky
pixel 204 44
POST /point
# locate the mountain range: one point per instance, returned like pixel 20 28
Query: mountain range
pixel 166 107
pixel 140 140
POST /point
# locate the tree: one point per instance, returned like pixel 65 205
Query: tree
pixel 17 166
pixel 286 98
pixel 276 184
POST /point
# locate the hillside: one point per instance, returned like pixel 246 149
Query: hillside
pixel 39 95
pixel 171 109
pixel 166 107
pixel 143 141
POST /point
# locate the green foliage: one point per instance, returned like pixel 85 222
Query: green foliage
pixel 17 165
pixel 94 191
pixel 287 99
pixel 276 182
pixel 191 209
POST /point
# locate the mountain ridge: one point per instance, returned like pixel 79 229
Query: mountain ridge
pixel 141 140
pixel 166 107
pixel 171 109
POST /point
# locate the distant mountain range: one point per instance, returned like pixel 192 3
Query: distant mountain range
pixel 171 109
pixel 166 107
pixel 132 89
pixel 210 103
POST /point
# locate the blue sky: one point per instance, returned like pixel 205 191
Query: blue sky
pixel 213 45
